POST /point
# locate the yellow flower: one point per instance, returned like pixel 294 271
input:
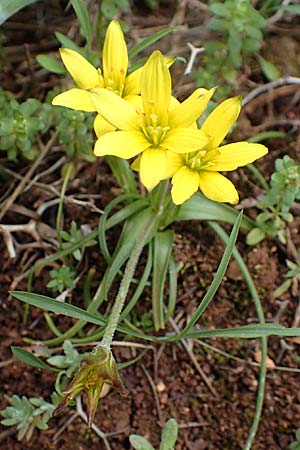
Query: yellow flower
pixel 157 126
pixel 86 76
pixel 200 168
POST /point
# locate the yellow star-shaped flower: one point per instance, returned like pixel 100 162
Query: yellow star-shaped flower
pixel 86 76
pixel 158 125
pixel 200 169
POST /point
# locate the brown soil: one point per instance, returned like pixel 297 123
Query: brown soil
pixel 206 421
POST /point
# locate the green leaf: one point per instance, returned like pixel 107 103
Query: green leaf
pixel 270 71
pixel 51 64
pixel 201 208
pixel 218 9
pixel 83 17
pixel 264 135
pixel 217 279
pixel 30 359
pixel 10 7
pixel 127 241
pixel 123 174
pixel 169 435
pixel 139 443
pixel 293 9
pixel 162 250
pixel 149 41
pixel 50 304
pixel 282 288
pixel 255 236
pixel 68 43
pixel 247 332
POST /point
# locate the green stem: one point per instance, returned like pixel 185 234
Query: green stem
pixel 66 179
pixel 263 340
pixel 113 320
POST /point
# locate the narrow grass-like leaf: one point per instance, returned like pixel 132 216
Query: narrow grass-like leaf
pixel 217 279
pixel 149 41
pixel 201 208
pixel 172 288
pixel 247 332
pixel 263 340
pixel 264 135
pixel 51 64
pixel 123 174
pixel 9 7
pixel 68 43
pixel 127 211
pixel 30 359
pixel 50 304
pixel 83 17
pixel 292 9
pixel 162 250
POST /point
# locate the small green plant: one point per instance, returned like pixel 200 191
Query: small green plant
pixel 241 27
pixel 296 444
pixel 61 279
pixel 168 438
pixel 276 203
pixel 68 362
pixel 72 236
pixel 27 414
pixel 292 275
pixel 19 124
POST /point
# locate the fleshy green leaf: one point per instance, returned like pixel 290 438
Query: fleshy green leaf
pixel 51 64
pixel 139 443
pixel 255 236
pixel 169 435
pixel 30 359
pixel 270 71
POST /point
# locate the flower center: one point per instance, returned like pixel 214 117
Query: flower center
pixel 154 132
pixel 115 81
pixel 194 160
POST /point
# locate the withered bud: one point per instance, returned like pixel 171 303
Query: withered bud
pixel 96 369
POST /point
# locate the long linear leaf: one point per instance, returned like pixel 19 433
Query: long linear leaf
pixel 217 279
pixel 201 208
pixel 68 43
pixel 50 304
pixel 10 7
pixel 162 249
pixel 149 41
pixel 83 17
pixel 247 332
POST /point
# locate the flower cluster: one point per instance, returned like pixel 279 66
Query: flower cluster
pixel 139 118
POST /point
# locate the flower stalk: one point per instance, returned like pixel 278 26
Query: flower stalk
pixel 124 285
